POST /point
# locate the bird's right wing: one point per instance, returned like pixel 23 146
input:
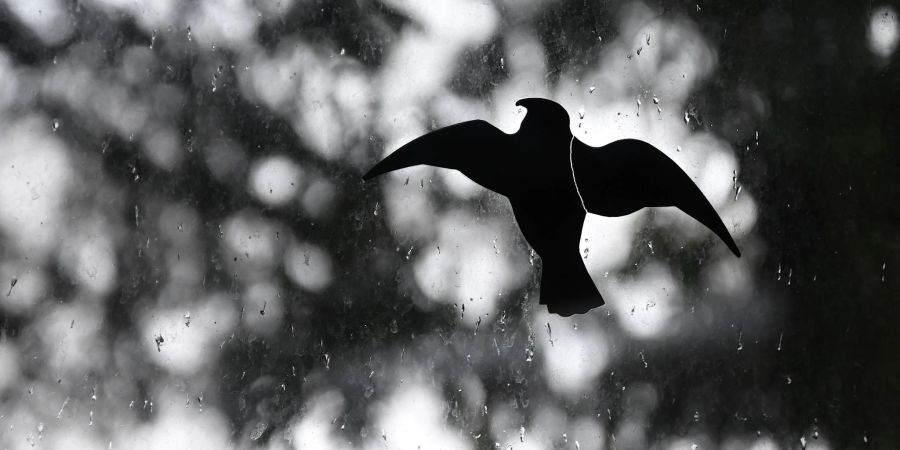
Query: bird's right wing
pixel 629 174
pixel 476 148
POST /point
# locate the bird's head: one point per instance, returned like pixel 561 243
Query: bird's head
pixel 544 117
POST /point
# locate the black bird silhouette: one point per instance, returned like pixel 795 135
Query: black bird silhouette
pixel 552 180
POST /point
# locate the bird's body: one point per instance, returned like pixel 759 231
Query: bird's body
pixel 552 181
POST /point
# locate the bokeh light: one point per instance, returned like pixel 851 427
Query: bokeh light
pixel 884 32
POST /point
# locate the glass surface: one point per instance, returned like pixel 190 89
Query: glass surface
pixel 191 259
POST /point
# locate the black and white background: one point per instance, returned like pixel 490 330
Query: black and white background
pixel 190 259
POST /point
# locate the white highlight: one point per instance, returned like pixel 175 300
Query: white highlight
pixel 411 418
pixel 9 366
pixel 183 349
pixel 47 18
pixel 34 182
pixel 473 267
pixel 318 428
pixel 647 304
pixel 883 32
pixel 308 266
pixel 274 180
pixel 576 357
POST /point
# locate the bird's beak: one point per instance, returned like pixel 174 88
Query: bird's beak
pixel 524 102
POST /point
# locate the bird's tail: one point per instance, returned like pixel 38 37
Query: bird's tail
pixel 567 287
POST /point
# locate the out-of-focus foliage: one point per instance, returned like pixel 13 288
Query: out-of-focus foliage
pixel 193 262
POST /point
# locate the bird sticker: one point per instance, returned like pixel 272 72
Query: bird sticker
pixel 552 181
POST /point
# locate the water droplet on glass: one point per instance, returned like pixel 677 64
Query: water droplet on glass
pixel 529 348
pixel 591 89
pixel 61 408
pixel 189 38
pixel 258 431
pixel 12 284
pixel 55 125
pixel 153 35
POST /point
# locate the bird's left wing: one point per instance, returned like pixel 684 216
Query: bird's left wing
pixel 629 174
pixel 476 148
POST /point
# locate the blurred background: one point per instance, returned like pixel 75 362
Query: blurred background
pixel 189 258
